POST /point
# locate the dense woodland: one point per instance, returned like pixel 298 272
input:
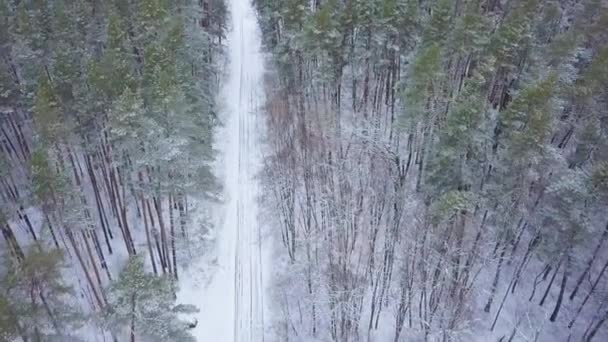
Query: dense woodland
pixel 107 110
pixel 435 170
pixel 438 170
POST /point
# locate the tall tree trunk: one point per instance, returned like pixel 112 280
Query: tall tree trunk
pixel 542 301
pixel 129 237
pixel 163 232
pixel 562 289
pixel 98 202
pixel 488 306
pixel 84 268
pixel 172 233
pixel 11 241
pixel 155 233
pixel 51 229
pixel 93 264
pixel 591 291
pixel 590 263
pixel 591 334
pixel 148 241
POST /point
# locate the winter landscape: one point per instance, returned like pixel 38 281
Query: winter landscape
pixel 303 170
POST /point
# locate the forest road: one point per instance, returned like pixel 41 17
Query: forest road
pixel 246 82
pixel 232 303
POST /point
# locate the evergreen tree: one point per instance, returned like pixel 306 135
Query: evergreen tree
pixel 107 120
pixel 34 296
pixel 144 305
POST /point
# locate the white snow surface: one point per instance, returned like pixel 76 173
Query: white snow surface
pixel 231 299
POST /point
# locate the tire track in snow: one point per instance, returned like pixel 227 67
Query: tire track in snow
pixel 232 304
pixel 247 62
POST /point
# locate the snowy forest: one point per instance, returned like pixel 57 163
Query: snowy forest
pixel 430 170
pixel 107 111
pixel 437 170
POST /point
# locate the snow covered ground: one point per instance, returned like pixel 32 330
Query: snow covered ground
pixel 232 299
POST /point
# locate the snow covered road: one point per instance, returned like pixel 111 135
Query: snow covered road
pixel 232 304
pixel 246 81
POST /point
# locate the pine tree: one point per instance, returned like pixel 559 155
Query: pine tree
pixel 35 296
pixel 47 111
pixel 144 305
pixel 458 158
pixel 108 114
pixel 8 321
